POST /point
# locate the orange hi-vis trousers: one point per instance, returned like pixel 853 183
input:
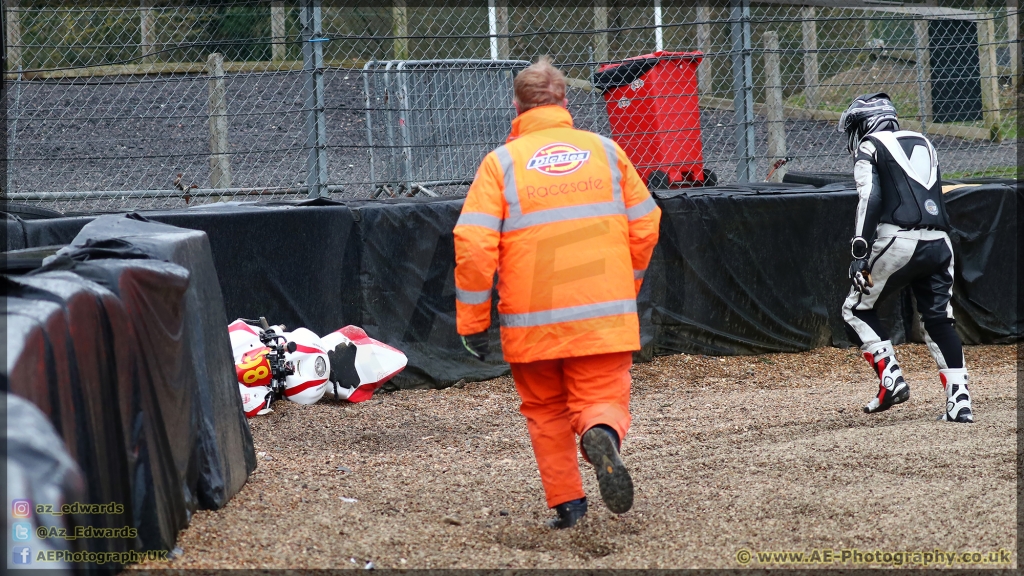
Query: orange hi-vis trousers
pixel 561 400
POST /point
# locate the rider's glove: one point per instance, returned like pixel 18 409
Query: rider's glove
pixel 860 275
pixel 477 344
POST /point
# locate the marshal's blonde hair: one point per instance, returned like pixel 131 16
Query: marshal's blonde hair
pixel 540 84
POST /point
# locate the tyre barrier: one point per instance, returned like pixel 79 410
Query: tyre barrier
pixel 119 340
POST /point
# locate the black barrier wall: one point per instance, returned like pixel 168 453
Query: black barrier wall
pixel 114 430
pixel 406 254
pixel 772 267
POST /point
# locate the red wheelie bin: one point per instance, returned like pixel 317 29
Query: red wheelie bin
pixel 654 115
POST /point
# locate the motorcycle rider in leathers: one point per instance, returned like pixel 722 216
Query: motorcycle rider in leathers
pixel 900 240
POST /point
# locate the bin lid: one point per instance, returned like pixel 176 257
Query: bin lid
pixel 622 73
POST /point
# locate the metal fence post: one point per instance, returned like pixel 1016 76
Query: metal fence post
pixel 11 62
pixel 492 28
pixel 743 94
pixel 313 68
pixel 658 38
pixel 220 159
pixel 1012 34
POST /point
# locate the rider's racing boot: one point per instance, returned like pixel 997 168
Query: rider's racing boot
pixel 958 397
pixel 892 388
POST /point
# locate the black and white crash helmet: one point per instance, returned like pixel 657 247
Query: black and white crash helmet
pixel 868 113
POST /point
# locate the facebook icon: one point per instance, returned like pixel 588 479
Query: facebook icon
pixel 22 555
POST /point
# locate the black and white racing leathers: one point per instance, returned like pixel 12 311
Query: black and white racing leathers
pixel 901 215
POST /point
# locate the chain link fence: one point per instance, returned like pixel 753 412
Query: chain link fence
pixel 121 105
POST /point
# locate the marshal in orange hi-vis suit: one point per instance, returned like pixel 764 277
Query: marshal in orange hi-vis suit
pixel 568 225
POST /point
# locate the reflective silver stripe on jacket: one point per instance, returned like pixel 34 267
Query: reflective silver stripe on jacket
pixel 570 314
pixel 613 164
pixel 642 209
pixel 479 219
pixel 509 174
pixel 472 296
pixel 639 274
pixel 562 215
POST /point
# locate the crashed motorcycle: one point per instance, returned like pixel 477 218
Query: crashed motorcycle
pixel 272 364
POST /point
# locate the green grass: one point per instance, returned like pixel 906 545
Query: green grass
pixel 990 172
pixel 1008 126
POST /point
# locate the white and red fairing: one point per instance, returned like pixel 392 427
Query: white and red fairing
pixel 310 361
pixel 376 362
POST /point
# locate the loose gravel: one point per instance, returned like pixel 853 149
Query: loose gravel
pixel 761 453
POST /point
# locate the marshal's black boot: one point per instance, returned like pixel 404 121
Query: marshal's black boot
pixel 600 444
pixel 569 513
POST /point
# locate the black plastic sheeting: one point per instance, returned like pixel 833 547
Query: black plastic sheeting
pixel 125 351
pixel 986 243
pixel 21 234
pixel 293 265
pixel 407 284
pixel 749 270
pixel 40 470
pixel 387 266
pixel 740 269
pixel 155 405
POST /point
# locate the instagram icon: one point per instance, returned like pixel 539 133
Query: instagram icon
pixel 21 508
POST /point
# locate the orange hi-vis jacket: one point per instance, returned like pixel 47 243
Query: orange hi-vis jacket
pixel 565 220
